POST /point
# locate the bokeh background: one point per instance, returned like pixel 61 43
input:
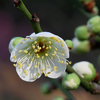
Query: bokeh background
pixel 58 17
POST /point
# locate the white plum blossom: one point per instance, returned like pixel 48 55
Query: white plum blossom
pixel 40 53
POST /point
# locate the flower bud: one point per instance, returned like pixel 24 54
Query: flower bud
pixel 85 69
pixel 59 98
pixel 71 81
pixel 93 24
pixel 81 32
pixel 46 87
pixel 95 10
pixel 69 44
pixel 80 47
pixel 13 42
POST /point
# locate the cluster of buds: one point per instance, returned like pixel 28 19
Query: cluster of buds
pixel 89 6
pixel 87 36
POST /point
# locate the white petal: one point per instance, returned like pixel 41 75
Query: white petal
pixel 30 70
pixel 20 46
pixel 60 69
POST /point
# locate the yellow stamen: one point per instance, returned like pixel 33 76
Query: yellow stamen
pixel 43 46
pixel 41 72
pixel 14 65
pixel 25 51
pixel 25 39
pixel 47 65
pixel 51 57
pixel 59 61
pixel 43 40
pixel 21 42
pixel 49 47
pixel 29 65
pixel 56 49
pixel 62 45
pixel 46 75
pixel 20 51
pixel 70 62
pixel 31 38
pixel 25 71
pixel 26 74
pixel 63 51
pixel 46 54
pixel 35 50
pixel 66 63
pixel 35 42
pixel 29 54
pixel 49 42
pixel 38 56
pixel 63 54
pixel 20 65
pixel 42 57
pixel 62 62
pixel 38 74
pixel 35 66
pixel 14 57
pixel 32 59
pixel 33 46
pixel 38 63
pixel 34 77
pixel 55 70
pixel 55 52
pixel 55 67
pixel 48 72
pixel 61 41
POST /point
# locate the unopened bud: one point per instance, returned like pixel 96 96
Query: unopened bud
pixel 71 81
pixel 85 69
pixel 13 42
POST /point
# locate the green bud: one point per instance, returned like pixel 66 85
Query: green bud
pixel 59 98
pixel 96 28
pixel 13 42
pixel 46 88
pixel 96 11
pixel 80 47
pixel 85 69
pixel 69 44
pixel 81 32
pixel 92 22
pixel 71 81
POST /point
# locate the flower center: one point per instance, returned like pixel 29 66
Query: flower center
pixel 39 47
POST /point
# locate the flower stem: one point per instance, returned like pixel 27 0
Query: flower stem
pixel 67 93
pixel 35 24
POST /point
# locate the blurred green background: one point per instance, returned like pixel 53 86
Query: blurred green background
pixel 56 16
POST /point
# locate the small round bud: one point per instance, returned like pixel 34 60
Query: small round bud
pixel 85 69
pixel 81 32
pixel 69 44
pixel 71 81
pixel 96 28
pixel 92 22
pixel 13 42
pixel 80 47
pixel 95 10
pixel 46 88
pixel 59 98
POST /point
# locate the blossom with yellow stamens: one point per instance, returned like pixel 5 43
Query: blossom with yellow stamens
pixel 34 56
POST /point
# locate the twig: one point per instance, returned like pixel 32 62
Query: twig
pixel 32 19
